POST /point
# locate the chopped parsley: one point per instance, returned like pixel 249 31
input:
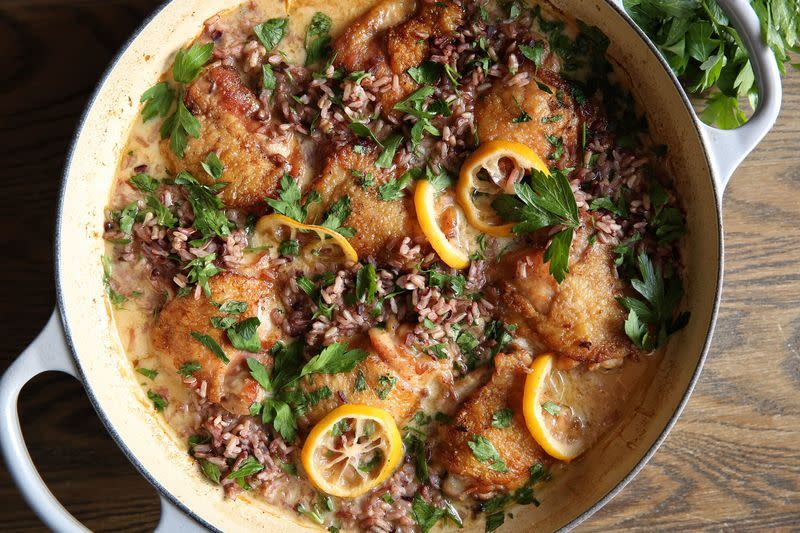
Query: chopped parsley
pixel 393 189
pixel 390 145
pixel 651 321
pixel 548 201
pixel 336 215
pixel 233 307
pixel 360 383
pixel 244 335
pixel 189 62
pixel 535 53
pixel 271 32
pixel 201 269
pixel 211 344
pixel 211 471
pixel 523 115
pixel 289 201
pixel 213 166
pixel 159 402
pixel 386 383
pixel 148 372
pixel 318 39
pixel 157 101
pixel 189 368
pixel 289 247
pixel 551 407
pixel 426 73
pixel 209 211
pixel 116 298
pixel 502 418
pixel 366 283
pixel 485 452
pixel 178 127
pixel 268 80
pixel 425 515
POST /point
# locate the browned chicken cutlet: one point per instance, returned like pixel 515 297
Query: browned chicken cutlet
pixel 579 318
pixel 514 444
pixel 394 378
pixel 553 114
pixel 377 222
pixel 254 163
pixel 392 37
pixel 228 384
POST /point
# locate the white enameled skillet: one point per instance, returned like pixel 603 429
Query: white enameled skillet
pixel 80 338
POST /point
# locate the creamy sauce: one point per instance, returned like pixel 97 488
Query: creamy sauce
pixel 591 401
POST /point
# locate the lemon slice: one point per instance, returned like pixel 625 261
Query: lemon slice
pixel 452 253
pixel 267 232
pixel 505 162
pixel 554 424
pixel 351 450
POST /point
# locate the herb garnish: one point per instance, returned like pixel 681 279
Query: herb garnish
pixel 116 298
pixel 502 418
pixel 289 200
pixel 549 201
pixel 157 101
pixel 148 372
pixel 271 32
pixel 211 344
pixel 189 368
pixel 213 166
pixel 336 215
pixel 426 73
pixel 189 62
pixel 318 39
pixel 244 335
pixel 159 402
pixel 650 322
pixel 393 189
pixel 551 407
pixel 485 452
pixel 201 269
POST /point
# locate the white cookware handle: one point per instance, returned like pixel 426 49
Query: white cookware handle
pixel 728 148
pixel 49 351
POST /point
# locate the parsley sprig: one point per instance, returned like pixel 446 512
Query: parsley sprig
pixel 547 201
pixel 290 202
pixel 652 320
pixel 708 55
pixel 286 400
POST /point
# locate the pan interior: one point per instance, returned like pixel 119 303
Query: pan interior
pixel 109 378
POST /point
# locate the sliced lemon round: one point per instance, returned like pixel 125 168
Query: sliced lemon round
pixel 505 163
pixel 451 252
pixel 555 424
pixel 351 450
pixel 268 228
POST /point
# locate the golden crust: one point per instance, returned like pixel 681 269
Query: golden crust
pixel 390 38
pixel 496 110
pixel 514 444
pixel 377 223
pixel 389 358
pixel 579 318
pixel 401 401
pixel 254 164
pixel 228 384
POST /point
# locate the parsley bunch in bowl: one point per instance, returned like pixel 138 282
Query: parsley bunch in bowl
pixel 708 55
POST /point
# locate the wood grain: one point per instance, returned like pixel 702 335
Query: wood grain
pixel 731 463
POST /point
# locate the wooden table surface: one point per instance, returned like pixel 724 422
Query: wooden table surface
pixel 732 462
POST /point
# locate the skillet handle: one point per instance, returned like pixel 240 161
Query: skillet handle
pixel 728 148
pixel 49 351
